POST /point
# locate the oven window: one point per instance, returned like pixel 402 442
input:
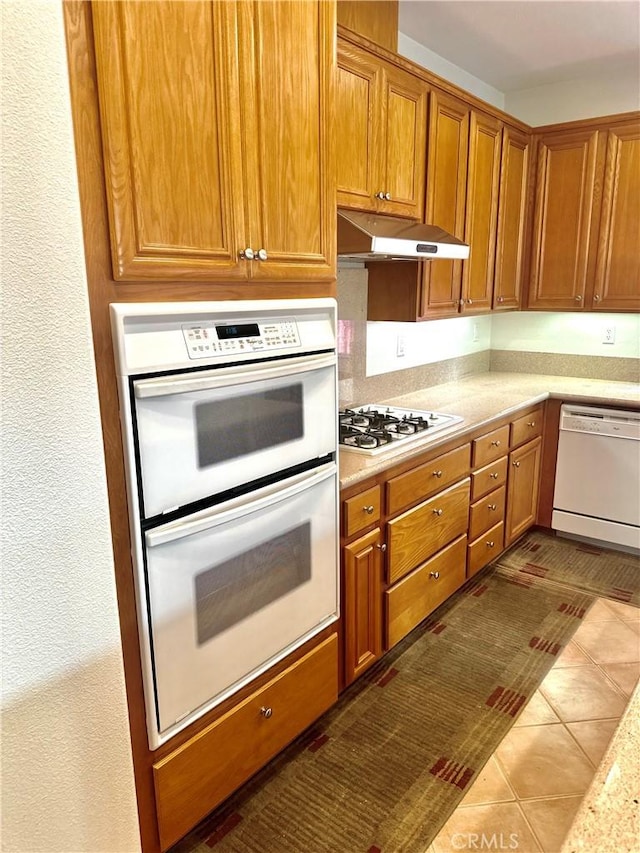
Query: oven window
pixel 231 591
pixel 241 425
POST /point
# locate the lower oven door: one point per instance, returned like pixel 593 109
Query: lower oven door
pixel 202 433
pixel 235 588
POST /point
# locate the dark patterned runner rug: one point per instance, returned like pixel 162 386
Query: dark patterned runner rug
pixel 383 769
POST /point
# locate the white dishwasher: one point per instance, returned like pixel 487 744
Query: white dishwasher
pixel 597 489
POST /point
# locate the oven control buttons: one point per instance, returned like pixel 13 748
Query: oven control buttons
pixel 209 340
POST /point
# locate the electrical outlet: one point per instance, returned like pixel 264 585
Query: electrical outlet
pixel 609 335
pixel 400 346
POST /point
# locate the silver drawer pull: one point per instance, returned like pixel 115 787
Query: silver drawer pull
pixel 382 547
pixel 494 476
pixel 434 575
pixel 516 464
pixel 495 443
pixel 437 512
pixel 490 543
pixel 531 423
pixel 437 474
pixel 266 712
pixel 492 506
pixel 368 509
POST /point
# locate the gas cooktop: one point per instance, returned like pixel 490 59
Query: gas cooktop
pixel 373 429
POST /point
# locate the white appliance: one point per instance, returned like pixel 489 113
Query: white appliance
pixel 229 413
pixel 597 488
pixel 374 428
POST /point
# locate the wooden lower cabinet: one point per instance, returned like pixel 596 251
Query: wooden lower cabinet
pixel 522 489
pixel 362 611
pixel 408 602
pixel 205 770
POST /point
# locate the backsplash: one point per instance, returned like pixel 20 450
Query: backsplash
pixel 383 360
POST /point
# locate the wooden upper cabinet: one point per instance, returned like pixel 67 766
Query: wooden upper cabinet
pixel 563 256
pixel 445 200
pixel 617 279
pixel 483 181
pixel 380 131
pixel 216 138
pixel 512 211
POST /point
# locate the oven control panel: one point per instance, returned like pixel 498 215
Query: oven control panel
pixel 206 340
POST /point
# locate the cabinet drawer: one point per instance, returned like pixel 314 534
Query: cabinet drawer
pixel 487 512
pixel 415 596
pixel 527 427
pixel 361 511
pixel 489 478
pixel 206 769
pixel 417 534
pixel 427 479
pixel 490 446
pixel 484 549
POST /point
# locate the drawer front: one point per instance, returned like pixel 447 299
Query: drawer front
pixel 206 769
pixel 361 511
pixel 427 479
pixel 485 549
pixel 527 427
pixel 417 534
pixel 489 478
pixel 487 512
pixel 415 596
pixel 491 446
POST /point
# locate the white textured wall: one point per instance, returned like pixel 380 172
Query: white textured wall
pixel 576 99
pixel 453 73
pixel 67 776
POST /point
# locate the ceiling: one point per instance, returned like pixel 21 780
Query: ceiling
pixel 521 44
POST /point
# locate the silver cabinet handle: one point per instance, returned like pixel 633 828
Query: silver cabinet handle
pixel 531 423
pixel 578 298
pixel 492 507
pixel 368 509
pixel 266 712
pixel 437 512
pixel 434 575
pixel 494 475
pixel 495 443
pixel 437 474
pixel 387 196
pixel 516 464
pixel 380 195
pixel 596 297
pixel 247 254
pixel 382 547
pixel 262 255
pixel 469 301
pixel 490 544
pixel 500 298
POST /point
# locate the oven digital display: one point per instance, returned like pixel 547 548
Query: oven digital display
pixel 246 330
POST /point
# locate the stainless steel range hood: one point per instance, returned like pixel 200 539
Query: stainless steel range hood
pixel 373 237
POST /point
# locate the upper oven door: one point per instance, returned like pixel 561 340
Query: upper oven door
pixel 202 433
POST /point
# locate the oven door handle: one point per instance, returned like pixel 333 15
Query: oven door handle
pixel 239 507
pixel 224 377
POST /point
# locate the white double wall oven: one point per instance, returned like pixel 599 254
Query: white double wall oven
pixel 229 419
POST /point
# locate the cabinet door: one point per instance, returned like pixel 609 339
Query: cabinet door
pixel 563 253
pixel 362 604
pixel 404 149
pixel 446 189
pixel 172 158
pixel 617 281
pixel 514 174
pixel 358 93
pixel 522 489
pixel 483 180
pixel 286 72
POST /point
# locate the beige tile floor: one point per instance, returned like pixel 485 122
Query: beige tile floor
pixel 528 793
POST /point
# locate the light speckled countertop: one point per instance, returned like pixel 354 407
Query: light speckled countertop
pixel 608 819
pixel 480 399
